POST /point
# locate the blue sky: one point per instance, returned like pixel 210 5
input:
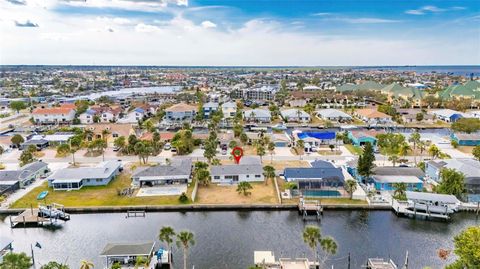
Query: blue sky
pixel 231 32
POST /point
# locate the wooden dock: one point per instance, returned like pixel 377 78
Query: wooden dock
pixel 401 208
pixel 136 213
pixel 310 207
pixel 28 217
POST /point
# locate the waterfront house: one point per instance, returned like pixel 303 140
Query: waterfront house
pixel 280 139
pixel 297 103
pixel 312 181
pixel 257 115
pixel 314 139
pixel 54 115
pixel 295 115
pixel 235 173
pixel 372 116
pixel 180 113
pixel 76 178
pixel 178 172
pixel 229 109
pixel 209 108
pixel 469 167
pixel 12 180
pixel 448 115
pixel 361 137
pixel 331 114
pixel 384 178
pixel 464 139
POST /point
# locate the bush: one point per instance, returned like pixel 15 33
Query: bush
pixel 183 198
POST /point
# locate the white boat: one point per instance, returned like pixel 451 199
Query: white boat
pixel 440 209
pixel 280 126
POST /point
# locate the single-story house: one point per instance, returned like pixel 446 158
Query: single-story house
pixel 11 180
pixel 333 115
pixel 361 137
pixel 295 115
pixel 315 138
pixel 76 178
pixel 280 140
pixel 323 176
pixel 56 138
pixel 464 139
pixel 257 115
pixel 179 171
pixel 448 115
pixel 385 177
pixel 38 143
pixel 235 173
pixel 370 115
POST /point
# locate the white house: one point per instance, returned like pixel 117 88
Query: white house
pixel 333 115
pixel 53 115
pixel 229 110
pixel 235 173
pixel 133 116
pixel 87 116
pixel 257 115
pixel 179 172
pixel 448 115
pixel 295 115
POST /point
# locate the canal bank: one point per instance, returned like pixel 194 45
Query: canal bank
pixel 205 207
pixel 228 239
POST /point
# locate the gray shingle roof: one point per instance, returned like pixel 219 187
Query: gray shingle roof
pixel 236 169
pixel 313 173
pixel 177 167
pixel 103 170
pixel 398 171
pixel 25 172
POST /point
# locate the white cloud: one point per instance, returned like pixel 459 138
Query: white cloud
pixel 86 40
pixel 146 28
pixel 365 20
pixel 431 9
pixel 208 24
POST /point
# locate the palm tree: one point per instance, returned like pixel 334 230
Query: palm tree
pixel 434 151
pixel 166 235
pixel 185 239
pixel 54 265
pixel 312 237
pixel 271 149
pixel 105 133
pixel 86 265
pixel 350 187
pixel 393 159
pixel 268 172
pixel 400 191
pixel 243 187
pixel 260 151
pixel 301 147
pixel 415 139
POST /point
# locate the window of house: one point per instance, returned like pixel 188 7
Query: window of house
pixel 216 177
pixel 258 176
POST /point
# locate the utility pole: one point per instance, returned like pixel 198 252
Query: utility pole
pixel 406 261
pixel 33 256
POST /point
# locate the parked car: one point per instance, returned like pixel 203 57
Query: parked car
pixel 167 146
pixel 116 149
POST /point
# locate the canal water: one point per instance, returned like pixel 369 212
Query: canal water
pixel 228 239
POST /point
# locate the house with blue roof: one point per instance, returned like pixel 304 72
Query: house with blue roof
pixel 448 115
pixel 315 139
pixel 134 116
pixel 323 179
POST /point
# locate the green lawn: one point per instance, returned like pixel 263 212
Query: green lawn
pixel 96 196
pixel 354 149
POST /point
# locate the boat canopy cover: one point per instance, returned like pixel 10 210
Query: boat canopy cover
pixel 126 249
pixel 317 135
pixel 432 197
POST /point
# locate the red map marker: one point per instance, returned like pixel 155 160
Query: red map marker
pixel 237 153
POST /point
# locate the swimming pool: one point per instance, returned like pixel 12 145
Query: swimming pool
pixel 321 193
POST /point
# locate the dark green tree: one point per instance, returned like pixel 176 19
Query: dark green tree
pixel 452 182
pixel 366 162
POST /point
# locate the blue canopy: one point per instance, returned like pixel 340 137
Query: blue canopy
pixel 317 135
